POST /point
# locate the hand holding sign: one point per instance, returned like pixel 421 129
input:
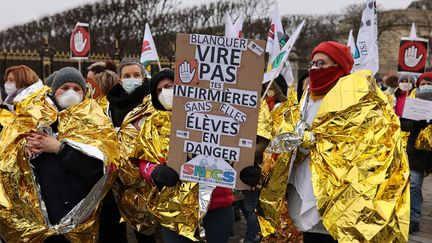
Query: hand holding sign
pixel 186 72
pixel 79 42
pixel 411 59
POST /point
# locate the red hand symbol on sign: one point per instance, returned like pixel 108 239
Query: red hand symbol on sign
pixel 79 42
pixel 410 58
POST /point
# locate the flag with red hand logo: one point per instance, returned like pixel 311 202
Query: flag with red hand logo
pixel 148 48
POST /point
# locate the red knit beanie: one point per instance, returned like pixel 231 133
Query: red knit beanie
pixel 339 53
pixel 427 75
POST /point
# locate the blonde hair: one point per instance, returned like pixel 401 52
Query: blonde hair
pixel 106 80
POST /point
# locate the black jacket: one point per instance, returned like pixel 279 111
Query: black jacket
pixel 121 103
pixel 65 179
pixel 2 91
pixel 419 160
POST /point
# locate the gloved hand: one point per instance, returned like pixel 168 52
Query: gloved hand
pixel 250 175
pixel 307 136
pixel 164 175
pixel 284 142
pixel 302 138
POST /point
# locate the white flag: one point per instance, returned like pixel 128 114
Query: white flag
pixel 229 27
pixel 282 57
pixel 413 32
pixel 238 26
pixel 367 39
pixel 234 30
pixel 148 49
pixel 287 73
pixel 351 44
pixel 274 34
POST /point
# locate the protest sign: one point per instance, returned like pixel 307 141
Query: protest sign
pixel 412 55
pixel 215 108
pixel 417 109
pixel 80 42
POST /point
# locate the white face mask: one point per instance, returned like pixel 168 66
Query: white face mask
pixel 69 98
pixel 405 86
pixel 166 98
pixel 10 87
pixel 130 84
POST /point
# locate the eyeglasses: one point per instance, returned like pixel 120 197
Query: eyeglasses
pixel 318 64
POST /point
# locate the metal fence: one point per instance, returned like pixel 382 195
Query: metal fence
pixel 46 60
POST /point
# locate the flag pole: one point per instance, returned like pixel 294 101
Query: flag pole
pixel 267 89
pixel 160 68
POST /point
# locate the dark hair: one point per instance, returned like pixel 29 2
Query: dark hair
pixel 391 81
pixel 99 67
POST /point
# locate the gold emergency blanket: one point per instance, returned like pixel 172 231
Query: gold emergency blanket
pixel 6 118
pixel 265 124
pixel 176 208
pixel 424 139
pixel 278 114
pixel 275 223
pixel 23 217
pixel 359 169
pixel 132 192
pixel 103 102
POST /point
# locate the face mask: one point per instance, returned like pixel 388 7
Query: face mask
pixel 166 98
pixel 130 84
pixel 69 98
pixel 424 92
pixel 10 87
pixel 405 86
pixel 323 79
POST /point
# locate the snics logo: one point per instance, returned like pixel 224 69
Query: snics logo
pixel 208 173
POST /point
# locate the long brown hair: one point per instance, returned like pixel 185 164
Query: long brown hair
pixel 23 76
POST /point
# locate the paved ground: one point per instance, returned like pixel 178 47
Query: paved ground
pixel 424 236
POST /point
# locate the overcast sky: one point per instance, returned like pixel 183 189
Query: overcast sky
pixel 14 12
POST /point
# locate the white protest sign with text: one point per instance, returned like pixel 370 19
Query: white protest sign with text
pixel 417 109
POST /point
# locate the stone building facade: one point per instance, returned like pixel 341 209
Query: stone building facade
pixel 397 24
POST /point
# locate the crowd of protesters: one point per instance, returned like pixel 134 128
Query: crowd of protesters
pixel 62 181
